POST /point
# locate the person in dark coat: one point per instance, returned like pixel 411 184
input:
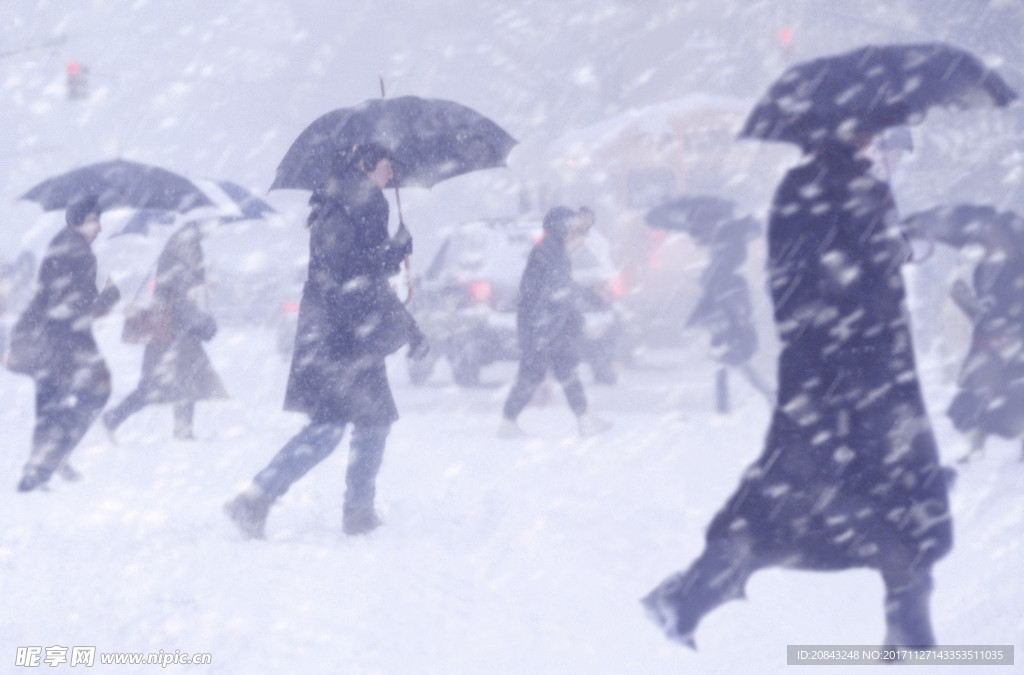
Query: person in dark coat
pixel 990 400
pixel 850 474
pixel 347 325
pixel 53 343
pixel 725 310
pixel 175 367
pixel 549 322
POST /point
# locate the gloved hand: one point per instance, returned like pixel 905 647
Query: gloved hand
pixel 402 241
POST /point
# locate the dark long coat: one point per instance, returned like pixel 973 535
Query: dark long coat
pixel 175 367
pixel 53 338
pixel 548 317
pixel 849 475
pixel 991 396
pixel 337 371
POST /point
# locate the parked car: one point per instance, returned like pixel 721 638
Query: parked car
pixel 465 301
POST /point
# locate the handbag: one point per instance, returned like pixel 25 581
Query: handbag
pixel 29 349
pixel 141 324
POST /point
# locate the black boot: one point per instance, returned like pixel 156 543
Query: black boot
pixel 248 511
pixel 682 600
pixel 907 614
pixel 360 521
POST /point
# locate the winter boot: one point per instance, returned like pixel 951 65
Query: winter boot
pixel 32 479
pixel 907 615
pixel 67 472
pixel 682 600
pixel 360 521
pixel 509 429
pixel 248 511
pixel 592 426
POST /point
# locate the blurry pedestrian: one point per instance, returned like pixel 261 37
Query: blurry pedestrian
pixel 550 323
pixel 15 284
pixel 850 475
pixel 725 310
pixel 175 367
pixel 347 325
pixel 990 399
pixel 53 343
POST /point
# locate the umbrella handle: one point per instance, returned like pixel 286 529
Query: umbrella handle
pixel 408 280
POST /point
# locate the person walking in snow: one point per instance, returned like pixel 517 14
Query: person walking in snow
pixel 990 399
pixel 346 326
pixel 53 343
pixel 549 321
pixel 725 310
pixel 850 474
pixel 175 367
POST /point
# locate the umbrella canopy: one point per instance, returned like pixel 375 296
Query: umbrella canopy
pixel 697 215
pixel 429 139
pixel 871 89
pixel 964 224
pixel 141 220
pixel 248 205
pixel 120 183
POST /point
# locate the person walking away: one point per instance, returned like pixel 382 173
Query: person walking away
pixel 990 396
pixel 549 322
pixel 850 474
pixel 175 367
pixel 53 343
pixel 347 325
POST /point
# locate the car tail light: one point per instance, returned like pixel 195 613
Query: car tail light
pixel 480 291
pixel 617 286
pixel 290 307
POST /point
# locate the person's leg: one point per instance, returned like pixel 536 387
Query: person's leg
pixel 907 608
pixel 679 603
pixel 530 375
pixel 132 403
pixel 184 412
pixel 365 456
pixel 300 454
pixel 65 409
pixel 565 368
pixel 722 390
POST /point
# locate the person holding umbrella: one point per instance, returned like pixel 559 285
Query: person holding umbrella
pixel 850 475
pixel 175 368
pixel 550 323
pixel 53 343
pixel 346 327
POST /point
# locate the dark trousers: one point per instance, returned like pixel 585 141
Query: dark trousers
pixel 184 413
pixel 312 445
pixel 532 369
pixel 66 407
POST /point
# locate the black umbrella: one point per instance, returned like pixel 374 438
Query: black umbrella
pixel 697 215
pixel 963 224
pixel 250 206
pixel 120 183
pixel 429 139
pixel 871 89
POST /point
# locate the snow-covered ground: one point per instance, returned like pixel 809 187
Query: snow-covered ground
pixel 519 556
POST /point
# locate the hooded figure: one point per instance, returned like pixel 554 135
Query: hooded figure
pixel 549 322
pixel 175 367
pixel 349 321
pixel 990 399
pixel 850 475
pixel 53 343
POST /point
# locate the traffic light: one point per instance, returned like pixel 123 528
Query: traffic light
pixel 78 81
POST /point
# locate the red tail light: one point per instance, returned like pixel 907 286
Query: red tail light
pixel 290 307
pixel 480 291
pixel 617 286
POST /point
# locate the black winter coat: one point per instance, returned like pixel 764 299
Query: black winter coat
pixel 548 318
pixel 347 310
pixel 53 338
pixel 850 473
